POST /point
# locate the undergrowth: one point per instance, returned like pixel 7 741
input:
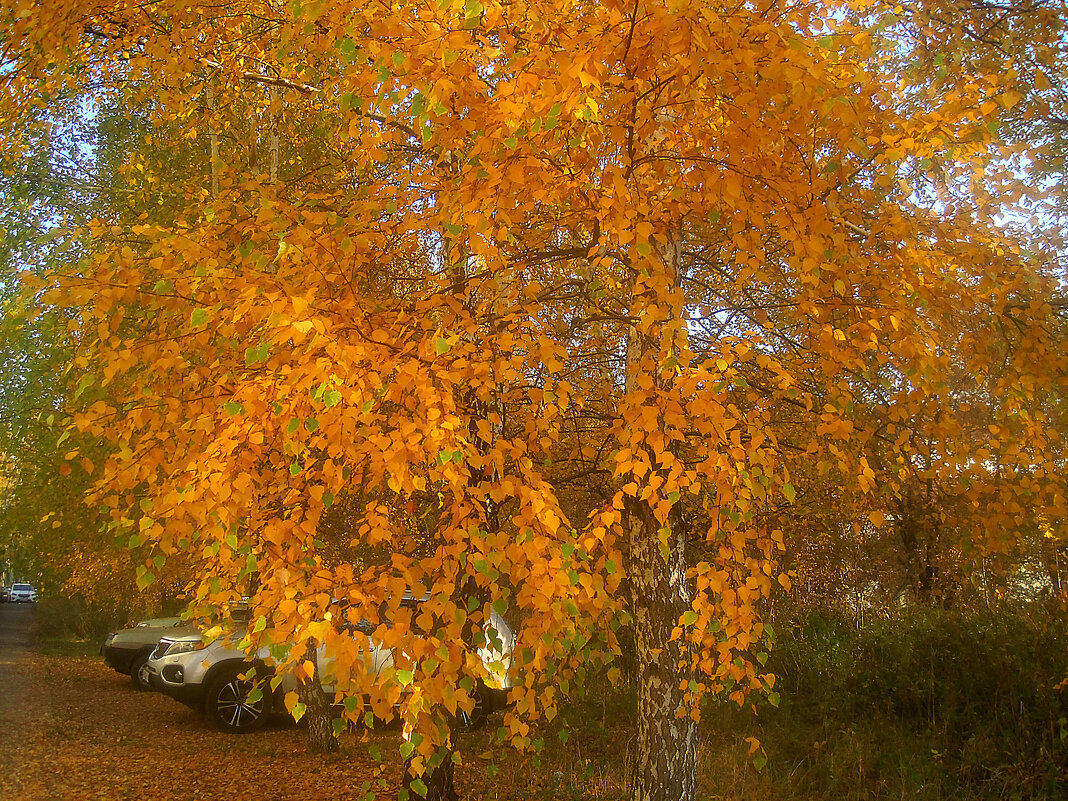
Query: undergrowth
pixel 926 706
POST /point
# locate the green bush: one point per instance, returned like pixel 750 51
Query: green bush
pixel 929 704
pixel 63 617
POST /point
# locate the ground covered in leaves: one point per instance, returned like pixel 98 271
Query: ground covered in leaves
pixel 71 728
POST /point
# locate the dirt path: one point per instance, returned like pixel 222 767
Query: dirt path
pixel 16 627
pixel 16 637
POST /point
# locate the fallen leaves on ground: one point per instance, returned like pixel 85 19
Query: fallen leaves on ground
pixel 85 733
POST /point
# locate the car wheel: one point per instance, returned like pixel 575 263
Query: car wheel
pixel 227 702
pixel 139 672
pixel 477 717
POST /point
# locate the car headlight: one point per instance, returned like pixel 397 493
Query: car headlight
pixel 182 647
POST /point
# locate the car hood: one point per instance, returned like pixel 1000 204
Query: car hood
pixel 150 635
pixel 159 623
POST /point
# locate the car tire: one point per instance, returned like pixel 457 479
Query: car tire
pixel 135 671
pixel 226 701
pixel 477 717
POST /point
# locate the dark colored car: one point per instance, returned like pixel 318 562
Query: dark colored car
pixel 127 650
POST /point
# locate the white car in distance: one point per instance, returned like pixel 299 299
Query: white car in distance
pixel 23 594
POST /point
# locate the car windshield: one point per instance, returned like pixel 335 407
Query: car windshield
pixel 21 587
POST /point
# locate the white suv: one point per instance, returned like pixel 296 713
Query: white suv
pixel 211 678
pixel 23 593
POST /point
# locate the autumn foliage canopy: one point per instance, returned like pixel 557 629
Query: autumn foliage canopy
pixel 588 311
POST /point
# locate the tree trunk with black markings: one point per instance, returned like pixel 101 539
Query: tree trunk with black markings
pixel 318 710
pixel 665 767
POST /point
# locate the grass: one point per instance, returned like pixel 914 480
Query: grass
pixel 67 647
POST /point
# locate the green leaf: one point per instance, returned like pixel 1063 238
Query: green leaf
pixel 689 617
pixel 294 469
pixel 199 317
pixel 331 397
pixel 256 354
pixel 789 491
pixel 404 677
pixel 311 424
pixel 84 383
pixel 233 408
pixel 563 736
pixel 298 710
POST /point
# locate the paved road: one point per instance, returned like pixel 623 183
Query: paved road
pixel 16 648
pixel 16 643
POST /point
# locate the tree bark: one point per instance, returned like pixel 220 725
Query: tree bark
pixel 665 766
pixel 318 709
pixel 274 144
pixel 213 138
pixel 438 779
